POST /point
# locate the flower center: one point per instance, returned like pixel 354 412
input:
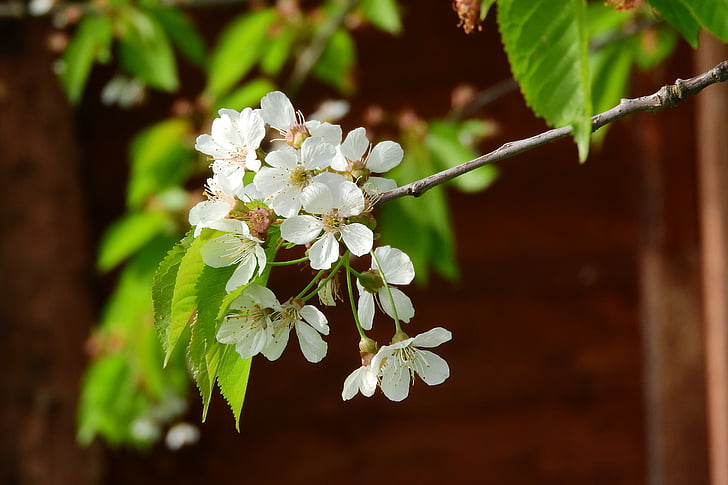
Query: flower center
pixel 253 316
pixel 300 177
pixel 332 221
pixel 241 251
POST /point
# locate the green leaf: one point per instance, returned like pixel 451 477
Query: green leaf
pixel 447 141
pixel 240 45
pixel 91 40
pixel 384 14
pixel 712 14
pixel 547 46
pixel 125 381
pixel 233 381
pixel 277 51
pixel 420 227
pixel 247 95
pixel 126 235
pixel 182 33
pixel 160 159
pixel 145 51
pixel 485 8
pixel 337 61
pixel 680 16
pixel 163 288
pixel 205 351
pixel 185 296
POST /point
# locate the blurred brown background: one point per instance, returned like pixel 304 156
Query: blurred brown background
pixel 577 352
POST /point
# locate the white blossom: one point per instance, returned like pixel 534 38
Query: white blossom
pixel 397 364
pixel 363 380
pixel 278 112
pixel 352 156
pixel 236 247
pixel 396 268
pixel 292 175
pixel 234 141
pixel 249 325
pixel 309 323
pixel 335 202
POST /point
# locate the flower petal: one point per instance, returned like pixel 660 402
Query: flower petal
pixel 242 274
pixel 252 344
pixel 432 338
pixel 262 295
pixel 355 145
pixel 312 345
pixel 330 133
pixel 358 238
pixel 284 158
pixel 351 384
pixel 395 381
pixel 221 251
pixel 301 229
pixel 317 198
pixel 324 252
pixel 270 181
pixel 315 317
pixel 395 265
pixel 365 308
pixel 316 153
pixel 349 199
pixel 378 185
pixel 277 111
pixel 403 304
pixel 385 156
pixel 277 341
pixel 432 368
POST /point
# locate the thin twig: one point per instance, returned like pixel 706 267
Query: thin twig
pixel 667 97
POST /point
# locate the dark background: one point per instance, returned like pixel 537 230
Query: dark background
pixel 558 373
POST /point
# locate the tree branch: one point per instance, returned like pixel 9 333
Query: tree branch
pixel 667 97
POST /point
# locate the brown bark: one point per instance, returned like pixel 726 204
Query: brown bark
pixel 712 147
pixel 670 305
pixel 44 262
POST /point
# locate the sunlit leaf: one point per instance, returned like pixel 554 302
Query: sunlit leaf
pixel 679 16
pixel 182 33
pixel 240 45
pixel 91 40
pixel 384 14
pixel 247 95
pixel 336 62
pixel 547 46
pixel 165 278
pixel 445 142
pixel 160 159
pixel 145 51
pixel 278 51
pixel 127 235
pixel 233 381
pixel 185 296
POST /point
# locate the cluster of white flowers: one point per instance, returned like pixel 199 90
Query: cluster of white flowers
pixel 317 191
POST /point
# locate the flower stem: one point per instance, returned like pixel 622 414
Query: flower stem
pixel 288 263
pixel 397 326
pixel 349 271
pixel 331 274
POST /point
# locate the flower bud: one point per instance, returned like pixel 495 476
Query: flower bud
pixel 296 135
pixel 367 350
